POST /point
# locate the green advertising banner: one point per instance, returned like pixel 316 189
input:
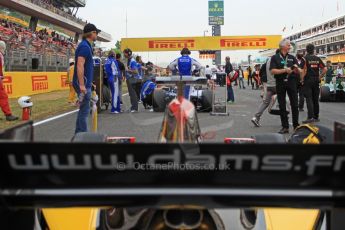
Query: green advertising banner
pixel 216 8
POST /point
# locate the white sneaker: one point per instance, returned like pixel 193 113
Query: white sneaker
pixel 134 111
pixel 114 112
pixel 151 110
pixel 256 122
pixel 140 102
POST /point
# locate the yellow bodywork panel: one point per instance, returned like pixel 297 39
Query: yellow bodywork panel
pixel 71 218
pixel 287 219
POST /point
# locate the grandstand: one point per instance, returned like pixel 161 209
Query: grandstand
pixel 41 34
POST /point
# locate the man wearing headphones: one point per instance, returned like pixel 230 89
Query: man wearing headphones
pixel 112 70
pixel 132 76
pixel 185 64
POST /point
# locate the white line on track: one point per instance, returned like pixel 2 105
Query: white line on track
pixel 55 118
pixel 61 115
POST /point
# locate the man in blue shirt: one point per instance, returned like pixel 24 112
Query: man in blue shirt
pixel 83 75
pixel 132 76
pixel 113 72
pixel 185 65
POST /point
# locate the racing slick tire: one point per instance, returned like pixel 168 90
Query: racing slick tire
pixel 206 101
pixel 269 138
pixel 325 94
pixel 89 138
pixel 159 103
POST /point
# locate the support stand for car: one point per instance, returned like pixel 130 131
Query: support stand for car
pixel 98 81
pixel 219 103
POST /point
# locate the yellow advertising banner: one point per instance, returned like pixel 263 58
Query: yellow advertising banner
pixel 19 84
pixel 336 58
pixel 202 43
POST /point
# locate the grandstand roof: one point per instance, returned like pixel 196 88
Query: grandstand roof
pixel 72 3
pixel 31 9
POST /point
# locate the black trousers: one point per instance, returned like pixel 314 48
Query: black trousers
pixel 289 88
pixel 301 97
pixel 311 91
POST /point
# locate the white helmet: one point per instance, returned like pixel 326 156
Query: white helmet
pixel 71 60
pixel 25 102
pixel 2 46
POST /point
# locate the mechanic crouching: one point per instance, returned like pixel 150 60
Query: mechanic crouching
pixel 285 69
pixel 185 65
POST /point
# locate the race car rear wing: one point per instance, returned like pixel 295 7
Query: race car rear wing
pixel 156 175
pixel 189 80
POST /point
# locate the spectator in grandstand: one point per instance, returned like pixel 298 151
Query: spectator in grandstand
pixel 340 70
pixel 70 73
pixel 4 104
pixel 83 75
pixel 132 79
pixel 122 70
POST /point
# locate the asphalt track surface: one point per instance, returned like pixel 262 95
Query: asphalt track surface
pixel 145 125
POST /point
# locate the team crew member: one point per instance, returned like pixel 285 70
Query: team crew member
pixel 70 73
pixel 5 107
pixel 270 91
pixel 83 75
pixel 301 63
pixel 230 90
pixel 208 72
pixel 141 69
pixel 329 73
pixel 185 64
pixel 311 83
pixel 241 77
pixel 285 69
pixel 132 79
pixel 250 79
pixel 122 70
pixel 112 70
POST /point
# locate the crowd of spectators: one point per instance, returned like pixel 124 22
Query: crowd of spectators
pixel 54 7
pixel 19 37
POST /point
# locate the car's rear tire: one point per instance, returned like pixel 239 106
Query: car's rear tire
pixel 89 138
pixel 206 101
pixel 159 103
pixel 269 138
pixel 325 94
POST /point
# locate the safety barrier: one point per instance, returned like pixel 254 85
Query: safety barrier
pixel 29 83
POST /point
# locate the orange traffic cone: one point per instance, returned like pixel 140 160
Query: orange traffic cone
pixel 26 113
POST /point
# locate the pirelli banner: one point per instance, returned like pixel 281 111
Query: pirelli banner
pixel 18 84
pixel 202 43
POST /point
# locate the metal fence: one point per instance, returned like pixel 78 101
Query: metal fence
pixel 25 61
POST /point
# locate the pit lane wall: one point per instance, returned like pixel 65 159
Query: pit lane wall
pixel 19 84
